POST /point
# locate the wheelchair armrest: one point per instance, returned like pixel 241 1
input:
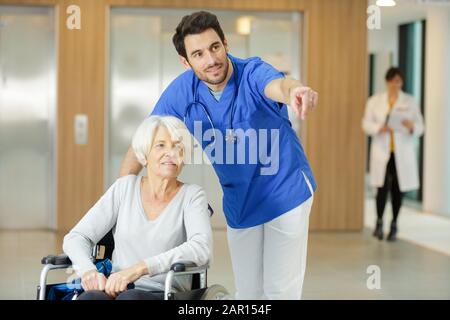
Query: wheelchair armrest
pixel 184 268
pixel 57 260
pixel 187 266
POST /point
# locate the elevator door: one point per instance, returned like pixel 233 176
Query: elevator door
pixel 27 115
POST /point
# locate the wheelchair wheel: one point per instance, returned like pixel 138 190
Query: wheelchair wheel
pixel 216 292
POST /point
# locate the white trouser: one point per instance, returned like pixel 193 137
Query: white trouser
pixel 269 260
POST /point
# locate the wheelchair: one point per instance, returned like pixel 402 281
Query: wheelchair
pixel 104 249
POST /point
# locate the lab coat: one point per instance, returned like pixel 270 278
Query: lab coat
pixel 377 109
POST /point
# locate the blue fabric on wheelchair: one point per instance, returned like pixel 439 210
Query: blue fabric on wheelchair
pixel 66 291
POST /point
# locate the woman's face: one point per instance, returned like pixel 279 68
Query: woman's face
pixel 395 84
pixel 165 158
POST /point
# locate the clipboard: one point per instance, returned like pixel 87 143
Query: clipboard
pixel 395 118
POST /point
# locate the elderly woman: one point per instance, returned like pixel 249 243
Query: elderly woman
pixel 156 220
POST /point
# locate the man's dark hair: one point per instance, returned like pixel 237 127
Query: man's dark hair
pixel 392 72
pixel 195 23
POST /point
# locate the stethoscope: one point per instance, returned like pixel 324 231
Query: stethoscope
pixel 230 136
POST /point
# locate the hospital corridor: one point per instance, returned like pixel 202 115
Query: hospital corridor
pixel 211 150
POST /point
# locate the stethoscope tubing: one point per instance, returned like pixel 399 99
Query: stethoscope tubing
pixel 230 136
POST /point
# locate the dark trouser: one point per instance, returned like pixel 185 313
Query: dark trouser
pixel 390 183
pixel 132 294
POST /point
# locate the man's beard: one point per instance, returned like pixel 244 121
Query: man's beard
pixel 218 81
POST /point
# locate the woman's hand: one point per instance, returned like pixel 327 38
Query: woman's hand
pixel 118 281
pixel 408 124
pixel 93 280
pixel 385 129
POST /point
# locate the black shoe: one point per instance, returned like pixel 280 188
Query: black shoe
pixel 378 233
pixel 392 236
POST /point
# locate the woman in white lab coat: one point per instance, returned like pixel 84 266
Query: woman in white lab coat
pixel 394 121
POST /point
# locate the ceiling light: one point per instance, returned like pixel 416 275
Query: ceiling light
pixel 386 3
pixel 244 25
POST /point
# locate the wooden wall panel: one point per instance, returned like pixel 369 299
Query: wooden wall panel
pixel 335 67
pixel 81 90
pixel 335 142
pixel 29 2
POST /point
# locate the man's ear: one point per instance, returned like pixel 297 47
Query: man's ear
pixel 184 62
pixel 225 44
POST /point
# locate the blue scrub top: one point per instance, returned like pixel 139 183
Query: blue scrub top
pixel 250 198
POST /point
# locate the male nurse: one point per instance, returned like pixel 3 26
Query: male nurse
pixel 240 108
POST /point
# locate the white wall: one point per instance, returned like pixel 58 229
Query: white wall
pixel 383 40
pixel 437 113
pixel 383 44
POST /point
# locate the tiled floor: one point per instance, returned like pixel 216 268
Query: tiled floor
pixel 415 267
pixel 422 228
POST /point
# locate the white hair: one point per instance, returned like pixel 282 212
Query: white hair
pixel 145 134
